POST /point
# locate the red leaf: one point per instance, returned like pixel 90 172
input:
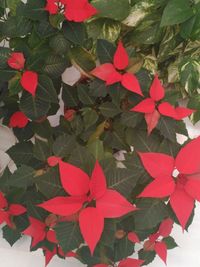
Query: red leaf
pixel 29 81
pixel 98 182
pixel 159 188
pixel 52 7
pixel 16 209
pixel 3 201
pixel 165 228
pixel 91 224
pixel 63 206
pixel 192 187
pixel 103 71
pixel 121 57
pixel 182 112
pixel 161 250
pixel 152 120
pixel 36 230
pixel 187 160
pixel 18 120
pixel 16 61
pixel 130 263
pixel 182 205
pixel 51 236
pixel 113 78
pixel 133 237
pixel 112 205
pixel 157 164
pixel 5 217
pixel 145 106
pixel 53 161
pixel 130 82
pixel 74 180
pixel 79 10
pixel 157 91
pixel 49 255
pixel 167 109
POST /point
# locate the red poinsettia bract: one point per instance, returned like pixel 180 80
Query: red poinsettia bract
pixel 183 188
pixel 18 120
pixel 39 231
pixel 156 242
pixel 29 79
pixel 153 110
pixel 110 73
pixel 9 210
pixel 91 198
pixel 74 10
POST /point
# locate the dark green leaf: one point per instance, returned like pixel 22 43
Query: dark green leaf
pixel 105 51
pixel 22 177
pixel 74 32
pixel 11 235
pixel 21 153
pixel 63 145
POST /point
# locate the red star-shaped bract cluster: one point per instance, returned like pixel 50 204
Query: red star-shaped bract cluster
pixel 29 79
pixel 153 109
pixel 18 120
pixel 91 198
pixel 182 190
pixel 115 72
pixel 7 211
pixel 74 10
pixel 156 242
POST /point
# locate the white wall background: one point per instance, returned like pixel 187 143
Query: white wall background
pixel 186 255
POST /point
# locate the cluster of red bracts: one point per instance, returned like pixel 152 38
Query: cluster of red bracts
pixel 73 10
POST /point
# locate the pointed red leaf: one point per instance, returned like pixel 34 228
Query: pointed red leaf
pixel 3 201
pixel 53 161
pixel 103 71
pixel 167 109
pixel 145 106
pixel 91 224
pixel 161 250
pixel 98 182
pixel 182 112
pixel 79 10
pixel 157 91
pixel 74 180
pixel 49 255
pixel 63 206
pixel 52 7
pixel 133 237
pixel 18 120
pixel 29 81
pixel 187 160
pixel 36 230
pixel 16 209
pixel 121 57
pixel 130 263
pixel 113 205
pixel 130 82
pixel 152 120
pixel 5 218
pixel 165 228
pixel 157 164
pixel 51 236
pixel 16 61
pixel 153 238
pixel 192 187
pixel 71 254
pixel 182 205
pixel 159 188
pixel 113 78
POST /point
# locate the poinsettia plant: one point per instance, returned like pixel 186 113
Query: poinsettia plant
pixel 107 181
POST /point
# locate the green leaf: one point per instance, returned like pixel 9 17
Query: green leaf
pixel 21 153
pixel 115 9
pixel 59 44
pixel 98 88
pixel 6 75
pixel 74 32
pixel 69 96
pixel 22 177
pixel 105 51
pixel 42 129
pixel 84 96
pixel 97 149
pixel 55 65
pixel 44 29
pixel 121 180
pixel 49 184
pixel 108 235
pixel 41 150
pixel 68 235
pixel 14 85
pixel 4 55
pixel 123 248
pixel 12 5
pixel 109 109
pixel 90 117
pixel 63 145
pixel 170 242
pixel 151 212
pixel 167 128
pixel 11 235
pixel 33 10
pixel 131 119
pixel 146 256
pixel 46 89
pixel 176 11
